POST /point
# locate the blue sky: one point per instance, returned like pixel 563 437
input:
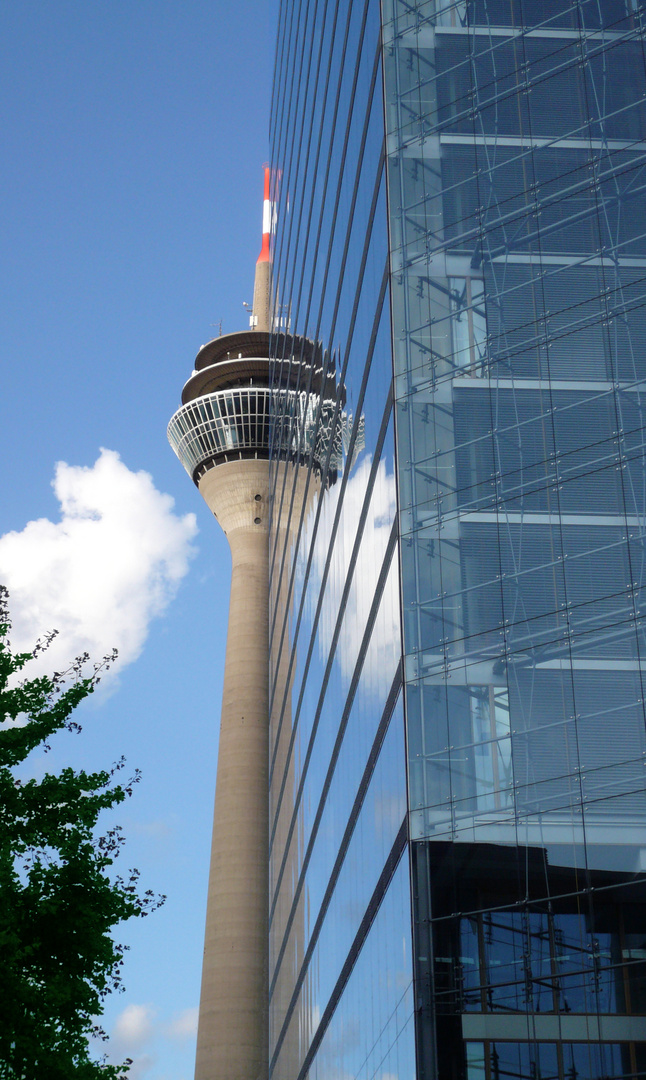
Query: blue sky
pixel 131 194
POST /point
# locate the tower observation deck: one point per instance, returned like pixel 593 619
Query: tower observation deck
pixel 229 409
pixel 237 405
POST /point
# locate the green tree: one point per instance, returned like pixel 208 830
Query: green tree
pixel 58 899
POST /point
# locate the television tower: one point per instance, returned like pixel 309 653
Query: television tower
pixel 230 405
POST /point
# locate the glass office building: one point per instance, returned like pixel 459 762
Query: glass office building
pixel 458 751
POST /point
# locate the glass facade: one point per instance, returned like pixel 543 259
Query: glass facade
pixel 516 144
pixel 341 964
pixel 458 822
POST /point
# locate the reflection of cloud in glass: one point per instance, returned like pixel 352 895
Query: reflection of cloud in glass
pixel 342 1037
pixel 389 809
pixel 384 647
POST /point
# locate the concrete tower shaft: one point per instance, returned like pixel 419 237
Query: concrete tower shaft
pixel 232 1030
pixel 232 1033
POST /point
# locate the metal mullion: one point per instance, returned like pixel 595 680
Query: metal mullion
pixel 328 165
pixel 353 318
pixel 392 862
pixel 386 565
pixel 363 786
pixel 375 329
pixel 360 398
pixel 331 653
pixel 367 242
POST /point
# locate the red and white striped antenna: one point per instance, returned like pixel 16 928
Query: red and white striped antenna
pixel 260 318
pixel 267 221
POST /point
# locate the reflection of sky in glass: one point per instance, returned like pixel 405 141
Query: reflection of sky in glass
pixel 370 1035
pixel 338 789
pixel 362 520
pixel 317 837
pixel 342 730
pixel 373 836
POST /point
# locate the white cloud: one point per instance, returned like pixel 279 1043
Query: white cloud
pixel 184 1025
pixel 147 1038
pixel 159 831
pixel 104 571
pixel 133 1027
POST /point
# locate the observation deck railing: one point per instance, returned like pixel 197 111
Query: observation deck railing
pixel 240 421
